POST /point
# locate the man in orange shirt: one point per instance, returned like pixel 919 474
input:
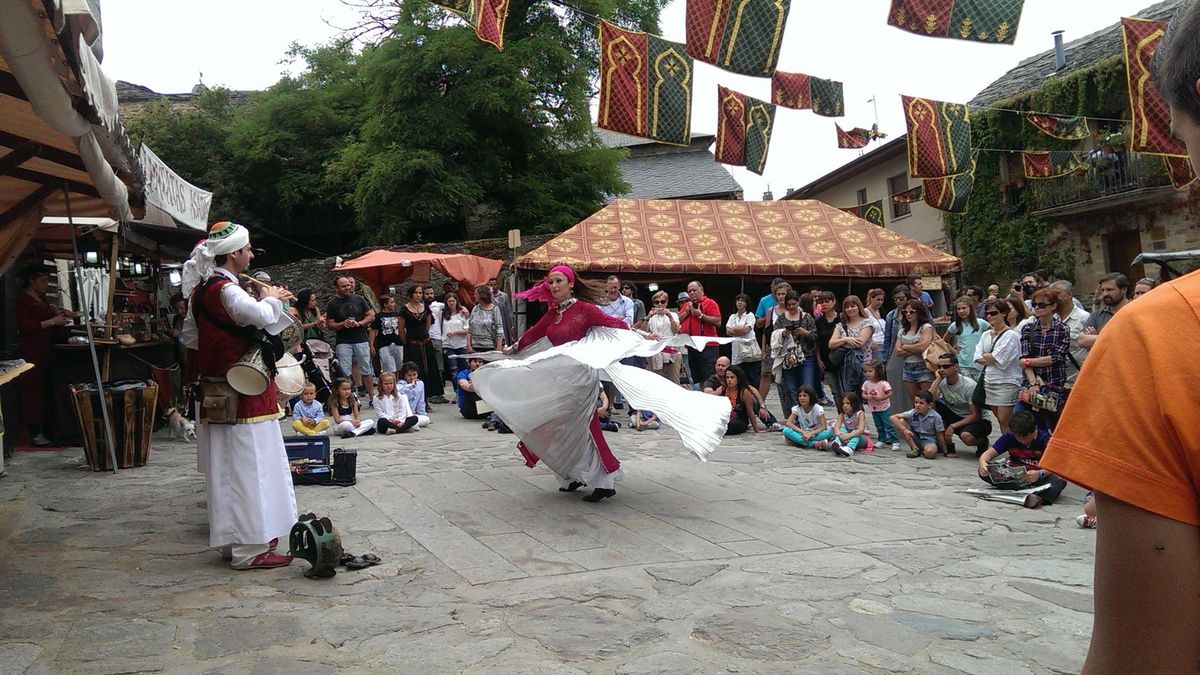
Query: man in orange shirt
pixel 1131 432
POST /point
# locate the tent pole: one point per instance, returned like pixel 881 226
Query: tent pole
pixel 108 432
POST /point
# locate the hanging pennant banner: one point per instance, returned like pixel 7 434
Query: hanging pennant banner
pixel 871 212
pixel 975 20
pixel 645 86
pixel 744 126
pixel 487 17
pixel 950 194
pixel 803 92
pixel 1041 165
pixel 1151 126
pixel 741 36
pixel 909 196
pixel 1180 170
pixel 1065 128
pixel 939 137
pixel 853 139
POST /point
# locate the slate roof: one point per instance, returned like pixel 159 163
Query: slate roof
pixel 659 171
pixel 1082 54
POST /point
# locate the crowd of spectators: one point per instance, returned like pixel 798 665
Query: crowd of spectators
pixel 850 375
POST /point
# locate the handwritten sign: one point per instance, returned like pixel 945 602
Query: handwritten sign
pixel 168 191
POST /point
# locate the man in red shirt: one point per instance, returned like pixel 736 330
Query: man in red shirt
pixel 700 316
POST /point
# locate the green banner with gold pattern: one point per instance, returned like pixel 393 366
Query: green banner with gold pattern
pixel 993 21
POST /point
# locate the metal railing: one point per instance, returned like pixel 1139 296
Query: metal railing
pixel 1107 175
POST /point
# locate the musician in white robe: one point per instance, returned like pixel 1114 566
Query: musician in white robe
pixel 251 504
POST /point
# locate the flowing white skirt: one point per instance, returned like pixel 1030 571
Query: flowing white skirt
pixel 250 496
pixel 547 396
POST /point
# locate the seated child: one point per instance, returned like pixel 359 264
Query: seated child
pixel 921 427
pixel 1024 442
pixel 850 430
pixel 413 389
pixel 806 426
pixel 308 417
pixel 347 423
pixel 395 415
pixel 643 420
pixel 877 393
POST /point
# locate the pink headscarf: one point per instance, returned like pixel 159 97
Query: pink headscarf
pixel 541 292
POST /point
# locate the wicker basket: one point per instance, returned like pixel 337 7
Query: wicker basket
pixel 132 420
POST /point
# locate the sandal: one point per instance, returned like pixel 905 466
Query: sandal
pixel 912 454
pixel 951 454
pixel 358 562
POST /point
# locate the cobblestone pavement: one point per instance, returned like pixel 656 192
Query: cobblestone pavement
pixel 766 559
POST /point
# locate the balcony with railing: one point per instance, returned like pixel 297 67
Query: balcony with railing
pixel 1107 180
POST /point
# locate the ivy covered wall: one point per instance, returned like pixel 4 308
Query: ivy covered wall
pixel 998 237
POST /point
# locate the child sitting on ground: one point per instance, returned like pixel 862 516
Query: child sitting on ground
pixel 395 415
pixel 1024 443
pixel 806 426
pixel 878 395
pixel 850 430
pixel 308 417
pixel 921 427
pixel 413 389
pixel 643 420
pixel 347 423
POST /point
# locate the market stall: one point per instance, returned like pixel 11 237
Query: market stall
pixel 382 268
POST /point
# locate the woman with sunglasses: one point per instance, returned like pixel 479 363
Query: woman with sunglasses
pixel 998 354
pixel 1044 345
pixel 661 324
pixel 916 334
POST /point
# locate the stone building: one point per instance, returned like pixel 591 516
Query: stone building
pixel 1109 213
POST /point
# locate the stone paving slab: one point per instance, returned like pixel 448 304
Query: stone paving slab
pixel 768 559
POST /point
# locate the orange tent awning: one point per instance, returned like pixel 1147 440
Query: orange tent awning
pixel 382 268
pixel 780 238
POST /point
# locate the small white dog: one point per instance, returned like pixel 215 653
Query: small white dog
pixel 178 425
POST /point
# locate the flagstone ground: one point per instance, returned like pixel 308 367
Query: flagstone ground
pixel 766 559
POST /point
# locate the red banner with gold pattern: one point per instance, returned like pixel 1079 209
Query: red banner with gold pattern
pixel 1041 165
pixel 939 137
pixel 645 86
pixel 993 21
pixel 741 36
pixel 1150 131
pixel 1057 126
pixel 805 92
pixel 853 139
pixel 487 17
pixel 1180 170
pixel 731 127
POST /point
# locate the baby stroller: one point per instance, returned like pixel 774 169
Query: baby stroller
pixel 317 357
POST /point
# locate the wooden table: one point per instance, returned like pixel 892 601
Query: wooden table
pixel 7 376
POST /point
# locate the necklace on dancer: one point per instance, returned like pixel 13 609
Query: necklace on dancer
pixel 562 307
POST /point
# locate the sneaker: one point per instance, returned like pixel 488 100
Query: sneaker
pixel 821 445
pixel 895 447
pixel 776 427
pixel 41 441
pixel 836 446
pixel 1086 522
pixel 438 400
pixel 912 453
pixel 632 424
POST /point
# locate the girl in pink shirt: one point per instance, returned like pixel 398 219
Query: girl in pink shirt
pixel 877 393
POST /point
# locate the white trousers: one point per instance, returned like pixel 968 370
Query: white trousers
pixel 346 428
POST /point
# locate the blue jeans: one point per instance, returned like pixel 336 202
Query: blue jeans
pixel 357 352
pixel 453 365
pixel 789 385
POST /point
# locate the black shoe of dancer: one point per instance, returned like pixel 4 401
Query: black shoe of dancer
pixel 575 485
pixel 598 494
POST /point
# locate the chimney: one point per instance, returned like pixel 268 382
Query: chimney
pixel 1060 54
pixel 767 196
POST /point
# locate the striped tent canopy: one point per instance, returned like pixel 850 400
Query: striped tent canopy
pixel 778 238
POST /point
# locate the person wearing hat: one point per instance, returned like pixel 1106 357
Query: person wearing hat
pixel 685 369
pixel 251 504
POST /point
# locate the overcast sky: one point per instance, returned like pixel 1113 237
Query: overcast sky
pixel 241 45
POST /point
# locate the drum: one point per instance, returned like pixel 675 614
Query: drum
pixel 289 375
pixel 248 376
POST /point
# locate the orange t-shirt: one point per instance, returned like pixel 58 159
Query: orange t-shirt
pixel 1131 428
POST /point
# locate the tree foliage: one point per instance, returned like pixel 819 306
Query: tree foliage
pixel 416 135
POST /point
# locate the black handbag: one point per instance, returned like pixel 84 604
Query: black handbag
pixel 979 396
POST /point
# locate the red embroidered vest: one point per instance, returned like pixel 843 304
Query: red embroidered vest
pixel 219 350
